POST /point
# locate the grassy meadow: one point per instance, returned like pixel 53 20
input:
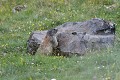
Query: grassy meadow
pixel 15 28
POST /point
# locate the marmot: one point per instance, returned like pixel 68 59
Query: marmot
pixel 49 42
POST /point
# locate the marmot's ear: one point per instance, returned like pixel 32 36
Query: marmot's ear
pixel 52 32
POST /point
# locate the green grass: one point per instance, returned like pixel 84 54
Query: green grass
pixel 15 28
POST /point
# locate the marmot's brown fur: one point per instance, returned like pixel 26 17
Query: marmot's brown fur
pixel 49 42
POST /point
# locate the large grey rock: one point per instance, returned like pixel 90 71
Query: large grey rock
pixel 77 37
pixel 81 43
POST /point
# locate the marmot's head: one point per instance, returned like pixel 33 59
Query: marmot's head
pixel 52 32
